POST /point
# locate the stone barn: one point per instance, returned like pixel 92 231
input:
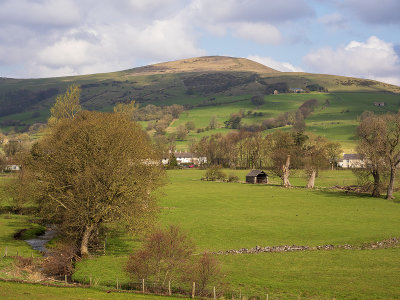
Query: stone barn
pixel 256 176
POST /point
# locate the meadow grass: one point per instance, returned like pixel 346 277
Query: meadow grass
pixel 337 119
pixel 12 291
pixel 223 216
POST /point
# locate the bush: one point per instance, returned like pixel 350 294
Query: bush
pixel 215 173
pixel 233 178
pixel 162 258
pixel 206 272
pixel 60 260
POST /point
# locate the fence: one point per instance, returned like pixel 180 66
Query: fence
pixel 144 286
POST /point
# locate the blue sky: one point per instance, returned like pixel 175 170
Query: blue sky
pixel 45 38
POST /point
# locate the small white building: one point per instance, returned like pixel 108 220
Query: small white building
pixel 12 168
pixel 186 158
pixel 352 161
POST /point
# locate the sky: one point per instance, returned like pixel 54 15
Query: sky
pixel 47 38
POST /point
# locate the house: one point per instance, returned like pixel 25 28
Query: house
pixel 256 176
pixel 296 90
pixel 185 158
pixel 379 103
pixel 12 168
pixel 352 161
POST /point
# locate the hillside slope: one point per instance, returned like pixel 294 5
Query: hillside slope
pixel 188 82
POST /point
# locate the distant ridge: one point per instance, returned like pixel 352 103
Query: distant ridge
pixel 204 64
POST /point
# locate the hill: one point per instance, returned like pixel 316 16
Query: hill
pixel 206 86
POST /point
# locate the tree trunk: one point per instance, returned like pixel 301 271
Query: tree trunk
pixel 85 240
pixel 311 180
pixel 286 173
pixel 375 190
pixel 391 183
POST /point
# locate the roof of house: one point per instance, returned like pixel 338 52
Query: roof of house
pixel 183 155
pixel 352 156
pixel 255 173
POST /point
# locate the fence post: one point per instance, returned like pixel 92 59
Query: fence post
pixel 215 296
pixel 267 296
pixel 169 287
pixel 90 280
pixel 5 252
pixel 240 294
pixel 65 278
pixel 193 289
pixel 17 253
pixel 117 284
pixel 143 285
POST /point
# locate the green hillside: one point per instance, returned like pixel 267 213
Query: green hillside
pixel 206 86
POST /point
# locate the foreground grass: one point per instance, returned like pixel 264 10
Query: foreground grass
pixel 11 290
pixel 340 274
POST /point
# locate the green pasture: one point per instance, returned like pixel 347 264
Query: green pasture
pixel 12 290
pixel 224 216
pixel 337 119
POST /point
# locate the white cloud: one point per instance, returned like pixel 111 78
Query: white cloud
pixel 373 59
pixel 258 32
pixel 277 65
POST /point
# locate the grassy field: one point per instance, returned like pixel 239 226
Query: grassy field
pixel 336 121
pixel 223 216
pixel 12 291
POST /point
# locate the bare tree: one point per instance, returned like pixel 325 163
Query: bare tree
pixel 315 158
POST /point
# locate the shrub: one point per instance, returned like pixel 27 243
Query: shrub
pixel 162 258
pixel 60 260
pixel 233 178
pixel 215 173
pixel 206 272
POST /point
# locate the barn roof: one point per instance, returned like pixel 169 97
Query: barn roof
pixel 255 173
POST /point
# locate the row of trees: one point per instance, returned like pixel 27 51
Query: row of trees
pixel 279 151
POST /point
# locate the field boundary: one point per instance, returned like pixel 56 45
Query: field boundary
pixel 388 243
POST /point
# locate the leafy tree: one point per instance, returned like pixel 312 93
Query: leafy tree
pixel 257 100
pixel 67 105
pixel 172 161
pixel 334 152
pixel 128 109
pixel 181 132
pixel 190 126
pixel 234 122
pixel 94 169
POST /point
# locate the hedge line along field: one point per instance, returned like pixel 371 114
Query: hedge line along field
pixel 224 216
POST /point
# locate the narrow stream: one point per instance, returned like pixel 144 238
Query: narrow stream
pixel 39 242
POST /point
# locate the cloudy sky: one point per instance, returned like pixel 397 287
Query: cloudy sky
pixel 45 38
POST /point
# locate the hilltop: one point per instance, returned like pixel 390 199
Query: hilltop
pixel 204 64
